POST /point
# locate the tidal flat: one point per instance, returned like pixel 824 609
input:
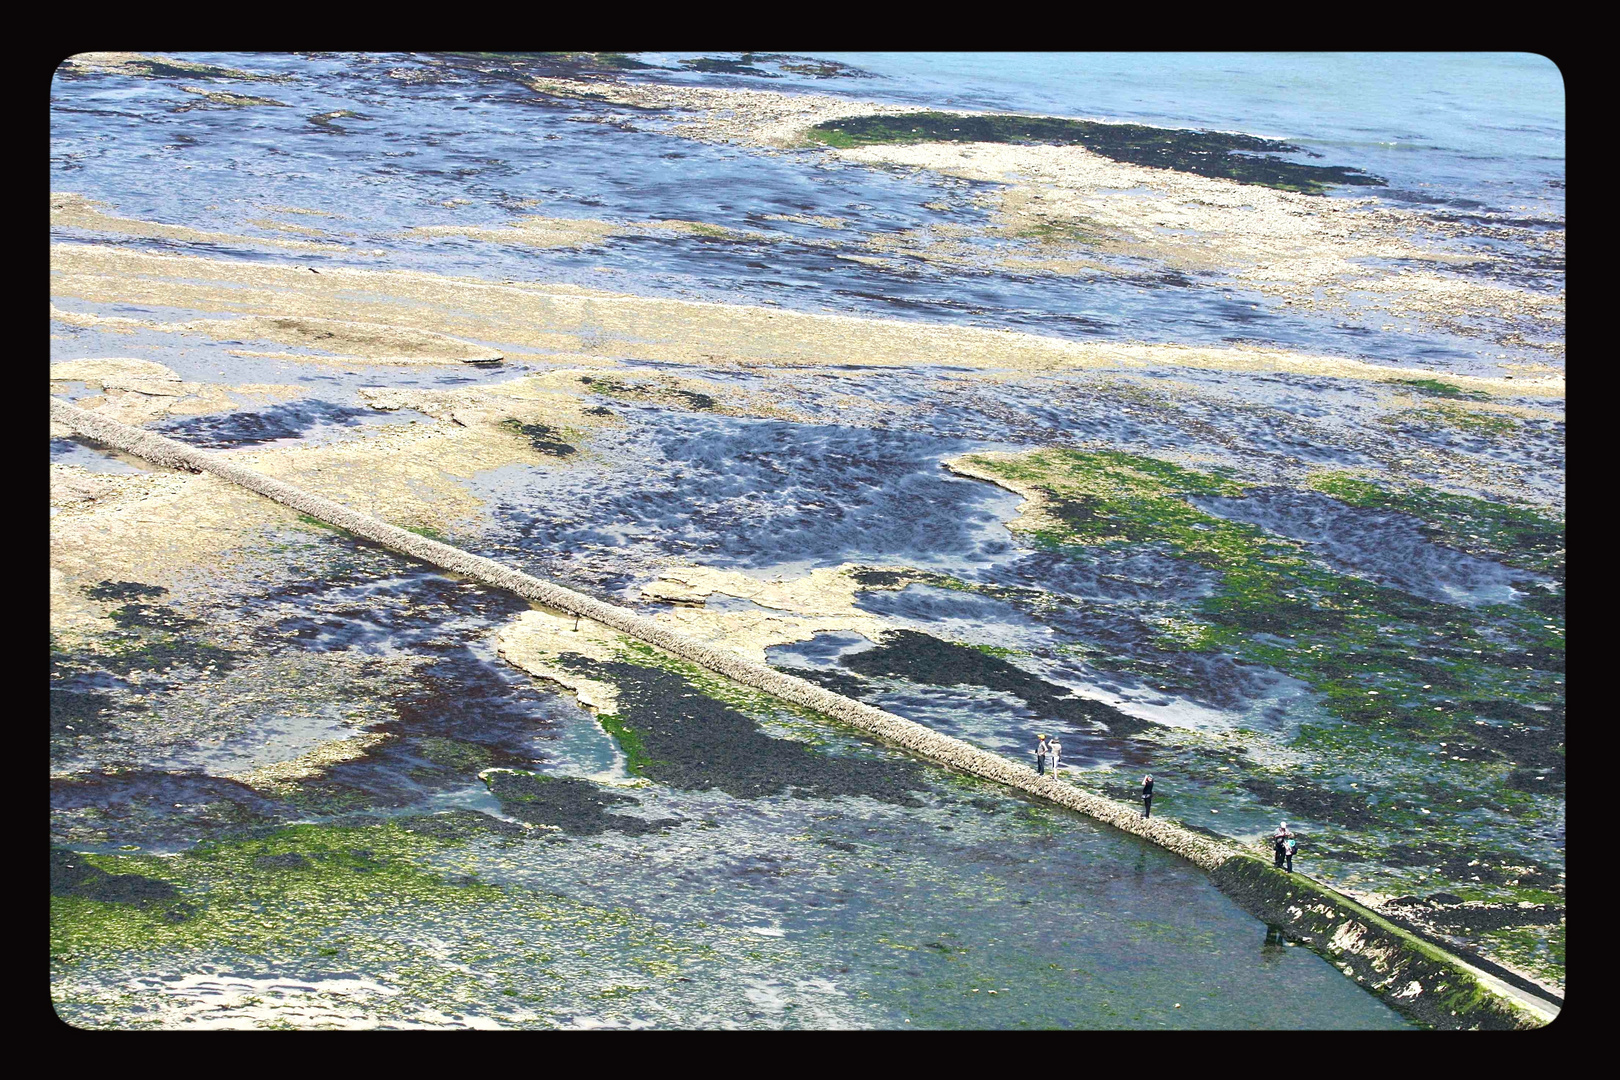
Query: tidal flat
pixel 1248 475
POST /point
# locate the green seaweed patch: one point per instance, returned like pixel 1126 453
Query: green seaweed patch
pixel 453 754
pixel 317 523
pixel 542 437
pixel 231 888
pixel 577 807
pixel 74 875
pixel 1409 679
pixel 1061 230
pixel 635 751
pixel 1378 655
pixel 146 643
pixel 996 650
pixel 1437 388
pixel 1247 159
pixel 1516 535
pixel 1538 950
pixel 461 824
pixel 1469 422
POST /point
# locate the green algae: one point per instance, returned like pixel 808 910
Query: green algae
pixel 1244 158
pixel 1407 686
pixel 1450 417
pixel 453 754
pixel 637 760
pixel 317 523
pixel 1437 388
pixel 402 904
pixel 1378 655
pixel 151 637
pixel 249 895
pixel 1516 535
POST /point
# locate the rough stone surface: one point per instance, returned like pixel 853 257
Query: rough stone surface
pixel 1414 977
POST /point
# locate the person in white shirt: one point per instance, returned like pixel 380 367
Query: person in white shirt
pixel 1056 748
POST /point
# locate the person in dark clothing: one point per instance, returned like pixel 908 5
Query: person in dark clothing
pixel 1147 795
pixel 1289 847
pixel 1279 845
pixel 1040 756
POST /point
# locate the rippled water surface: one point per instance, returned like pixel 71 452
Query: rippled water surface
pixel 296 786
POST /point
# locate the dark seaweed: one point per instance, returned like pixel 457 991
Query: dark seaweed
pixel 922 658
pixel 123 590
pixel 460 825
pixel 688 740
pixel 1244 158
pixel 1313 803
pixel 542 437
pixel 577 807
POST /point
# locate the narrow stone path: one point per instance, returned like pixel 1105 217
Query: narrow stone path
pixel 1206 852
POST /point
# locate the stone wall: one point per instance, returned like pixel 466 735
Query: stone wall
pixel 1367 948
pixel 1413 976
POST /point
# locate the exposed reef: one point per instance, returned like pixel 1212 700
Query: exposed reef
pixel 1244 158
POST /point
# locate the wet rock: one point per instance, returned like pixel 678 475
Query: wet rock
pixel 290 860
pixel 247 428
pixel 1482 918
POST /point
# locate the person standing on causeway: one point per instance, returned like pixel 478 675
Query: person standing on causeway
pixel 1147 795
